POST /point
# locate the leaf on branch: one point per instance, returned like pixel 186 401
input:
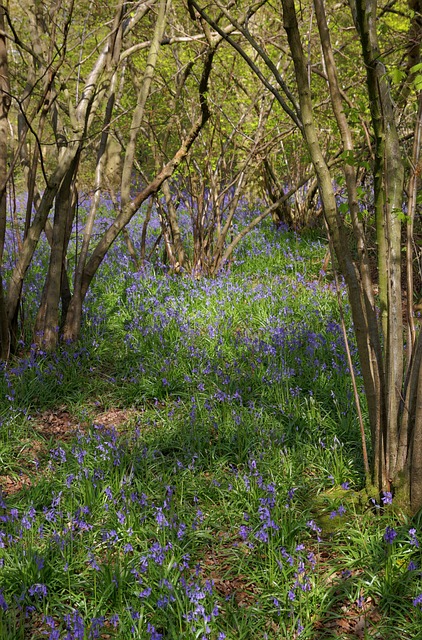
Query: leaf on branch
pixel 396 75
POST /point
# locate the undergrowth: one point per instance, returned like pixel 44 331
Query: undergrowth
pixel 227 500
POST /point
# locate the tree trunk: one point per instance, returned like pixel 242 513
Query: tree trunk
pixel 335 225
pixel 5 101
pixel 47 321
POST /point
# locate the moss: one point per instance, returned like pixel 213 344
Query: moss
pixel 327 504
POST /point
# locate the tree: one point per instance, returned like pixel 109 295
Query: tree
pixel 4 111
pixel 390 357
pixel 72 70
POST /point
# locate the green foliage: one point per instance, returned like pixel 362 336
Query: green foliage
pixel 417 80
pixel 225 501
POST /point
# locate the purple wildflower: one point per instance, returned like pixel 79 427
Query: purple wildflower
pixel 96 626
pixel 262 535
pixel 94 564
pixel 314 527
pixel 114 620
pixel 38 589
pixel 121 517
pixel 390 535
pixel 160 518
pixel 75 623
pixel 417 601
pixel 244 532
pixel 413 539
pixel 387 498
pixel 154 635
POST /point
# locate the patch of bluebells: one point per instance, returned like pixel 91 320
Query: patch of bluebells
pixel 163 328
pixel 299 566
pixel 165 332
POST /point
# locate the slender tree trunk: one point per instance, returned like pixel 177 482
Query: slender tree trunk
pixel 47 321
pixel 350 177
pixel 176 236
pixel 5 101
pixel 414 475
pixel 389 186
pixel 143 94
pixel 144 231
pixel 415 178
pixel 372 374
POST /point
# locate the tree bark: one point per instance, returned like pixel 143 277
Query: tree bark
pixel 5 101
pixel 47 321
pixel 372 377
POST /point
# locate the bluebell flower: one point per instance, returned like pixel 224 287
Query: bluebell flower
pixel 160 518
pixel 69 479
pixel 390 535
pixel 74 623
pixel 38 589
pixel 417 602
pixel 114 620
pixel 154 635
pixel 413 539
pixel 262 535
pixel 94 564
pixel 96 626
pixel 387 497
pixel 244 532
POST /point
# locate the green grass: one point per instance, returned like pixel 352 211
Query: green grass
pixel 192 468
